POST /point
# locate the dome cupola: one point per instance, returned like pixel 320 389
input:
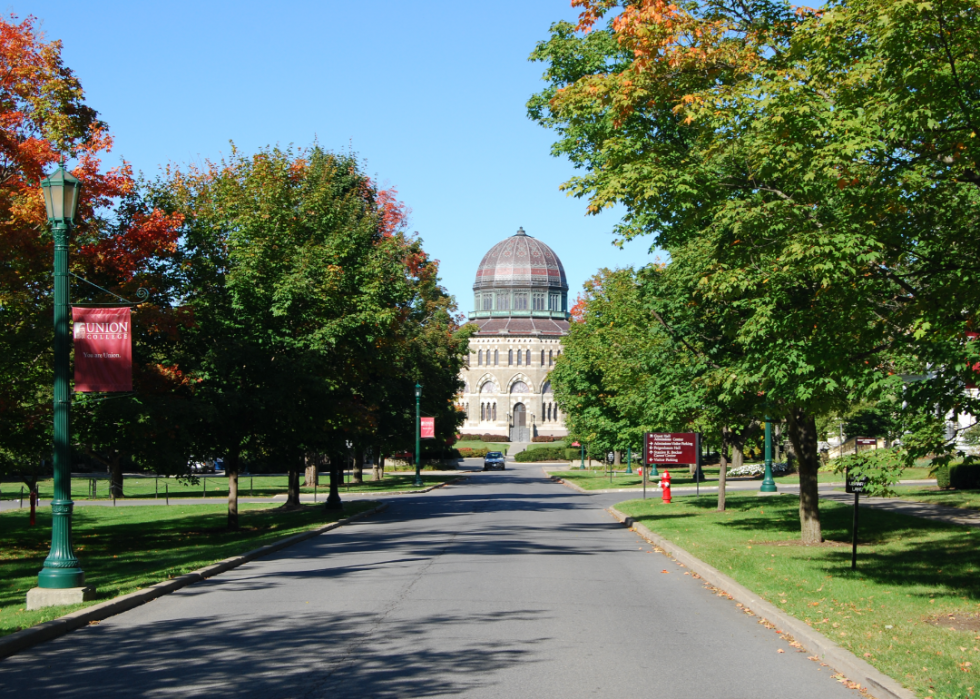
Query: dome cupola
pixel 520 276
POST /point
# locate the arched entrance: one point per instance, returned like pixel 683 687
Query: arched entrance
pixel 520 430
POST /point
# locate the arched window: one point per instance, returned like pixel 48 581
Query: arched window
pixel 488 387
pixel 519 357
pixel 551 359
pixel 496 357
pixel 527 357
pixel 519 387
pixel 483 412
pixel 494 412
pixel 510 357
pixel 479 358
pixel 542 357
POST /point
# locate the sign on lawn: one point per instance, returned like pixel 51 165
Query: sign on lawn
pixel 853 484
pixel 866 441
pixel 671 448
pixel 428 427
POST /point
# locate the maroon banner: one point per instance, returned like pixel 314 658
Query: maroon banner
pixel 428 427
pixel 866 441
pixel 103 350
pixel 671 448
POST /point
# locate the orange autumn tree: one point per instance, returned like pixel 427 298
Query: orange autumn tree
pixel 117 243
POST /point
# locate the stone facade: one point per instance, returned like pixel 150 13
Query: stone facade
pixel 521 301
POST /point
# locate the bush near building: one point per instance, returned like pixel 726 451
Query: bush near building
pixel 963 476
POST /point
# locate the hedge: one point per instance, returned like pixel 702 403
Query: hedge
pixel 942 477
pixel 543 454
pixel 964 476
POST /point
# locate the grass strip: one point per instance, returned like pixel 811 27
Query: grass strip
pixel 215 487
pixel 911 609
pixel 964 499
pixel 123 549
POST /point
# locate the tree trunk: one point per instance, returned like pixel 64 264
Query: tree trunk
pixel 357 475
pixel 723 470
pixel 617 458
pixel 375 460
pixel 336 476
pixel 292 492
pixel 116 476
pixel 803 435
pixel 231 469
pixel 738 456
pixel 379 466
pixel 311 476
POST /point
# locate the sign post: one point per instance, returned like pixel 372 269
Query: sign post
pixel 857 487
pixel 673 448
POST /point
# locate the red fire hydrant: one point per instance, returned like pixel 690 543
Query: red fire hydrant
pixel 665 485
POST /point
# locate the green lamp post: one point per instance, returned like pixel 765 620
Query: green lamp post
pixel 418 436
pixel 629 459
pixel 61 569
pixel 768 484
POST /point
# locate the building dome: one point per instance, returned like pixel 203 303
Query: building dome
pixel 520 261
pixel 521 278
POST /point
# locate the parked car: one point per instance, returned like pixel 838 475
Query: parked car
pixel 494 460
pixel 201 466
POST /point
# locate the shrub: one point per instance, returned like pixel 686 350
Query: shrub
pixel 942 477
pixel 542 438
pixel 546 454
pixel 964 476
pixel 779 468
pixel 573 453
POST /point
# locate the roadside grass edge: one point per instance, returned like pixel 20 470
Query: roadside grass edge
pixel 878 684
pixel 22 640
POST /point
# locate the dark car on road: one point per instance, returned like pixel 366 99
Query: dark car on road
pixel 494 460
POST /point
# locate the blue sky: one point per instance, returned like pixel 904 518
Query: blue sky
pixel 430 94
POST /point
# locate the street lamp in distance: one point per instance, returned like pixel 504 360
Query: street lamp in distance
pixel 418 436
pixel 61 580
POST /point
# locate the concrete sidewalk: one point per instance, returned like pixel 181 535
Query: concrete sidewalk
pixel 936 513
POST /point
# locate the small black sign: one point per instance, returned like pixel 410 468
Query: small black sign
pixel 855 485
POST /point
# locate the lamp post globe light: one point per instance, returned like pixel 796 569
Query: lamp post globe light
pixel 418 436
pixel 61 580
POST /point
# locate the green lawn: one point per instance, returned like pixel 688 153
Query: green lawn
pixel 216 487
pixel 968 499
pixel 598 479
pixel 910 572
pixel 122 549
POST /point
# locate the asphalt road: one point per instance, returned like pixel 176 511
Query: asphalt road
pixel 504 586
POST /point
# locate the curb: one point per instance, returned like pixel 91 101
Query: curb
pixel 48 630
pixel 878 684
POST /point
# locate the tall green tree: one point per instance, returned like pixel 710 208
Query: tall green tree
pixel 723 130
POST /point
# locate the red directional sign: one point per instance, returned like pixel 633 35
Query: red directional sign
pixel 671 448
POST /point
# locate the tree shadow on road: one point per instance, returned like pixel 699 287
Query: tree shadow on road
pixel 311 655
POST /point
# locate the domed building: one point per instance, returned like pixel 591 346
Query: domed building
pixel 521 307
